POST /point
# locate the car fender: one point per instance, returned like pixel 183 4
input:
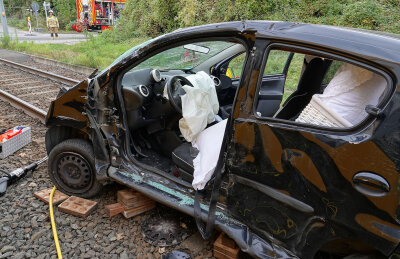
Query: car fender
pixel 69 110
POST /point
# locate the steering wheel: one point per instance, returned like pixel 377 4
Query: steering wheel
pixel 175 91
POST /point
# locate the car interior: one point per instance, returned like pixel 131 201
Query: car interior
pixel 317 90
pixel 152 94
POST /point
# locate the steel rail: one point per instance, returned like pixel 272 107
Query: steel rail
pixel 18 103
pixel 63 79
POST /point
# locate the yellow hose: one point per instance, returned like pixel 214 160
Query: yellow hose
pixel 53 224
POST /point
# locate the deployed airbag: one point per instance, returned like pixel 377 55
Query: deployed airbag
pixel 199 105
pixel 208 143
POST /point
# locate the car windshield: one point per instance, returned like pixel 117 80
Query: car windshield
pixel 185 57
pixel 127 53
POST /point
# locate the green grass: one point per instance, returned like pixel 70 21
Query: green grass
pixel 96 52
pixel 294 71
pixel 5 41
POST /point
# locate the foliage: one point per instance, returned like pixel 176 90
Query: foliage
pixel 18 23
pixel 166 16
pixel 65 11
pixel 5 41
pixel 367 14
pixel 147 17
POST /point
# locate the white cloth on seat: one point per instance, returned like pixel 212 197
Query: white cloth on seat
pixel 199 105
pixel 346 96
pixel 316 112
pixel 209 143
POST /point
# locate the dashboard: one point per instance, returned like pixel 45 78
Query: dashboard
pixel 146 102
pixel 144 99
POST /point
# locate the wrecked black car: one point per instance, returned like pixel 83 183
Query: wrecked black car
pixel 285 136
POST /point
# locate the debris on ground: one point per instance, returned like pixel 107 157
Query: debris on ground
pixel 78 206
pixel 164 228
pixel 134 203
pixel 44 195
pixel 113 209
pixel 225 248
pixel 176 255
pixel 13 140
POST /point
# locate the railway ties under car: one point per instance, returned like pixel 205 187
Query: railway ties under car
pixel 31 87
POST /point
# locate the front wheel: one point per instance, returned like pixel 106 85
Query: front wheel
pixel 71 168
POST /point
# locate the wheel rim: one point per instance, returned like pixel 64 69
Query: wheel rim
pixel 73 172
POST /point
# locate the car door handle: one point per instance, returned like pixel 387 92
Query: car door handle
pixel 371 184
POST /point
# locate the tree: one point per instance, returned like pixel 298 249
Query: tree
pixel 65 10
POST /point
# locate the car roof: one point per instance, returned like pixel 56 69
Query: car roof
pixel 375 46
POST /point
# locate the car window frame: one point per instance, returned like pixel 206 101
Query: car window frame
pixel 226 61
pixel 326 53
pixel 235 56
pixel 285 69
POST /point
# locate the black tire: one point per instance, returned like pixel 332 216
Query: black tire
pixel 71 167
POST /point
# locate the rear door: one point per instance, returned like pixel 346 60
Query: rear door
pixel 310 187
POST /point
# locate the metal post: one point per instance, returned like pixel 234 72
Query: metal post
pixel 111 13
pixel 45 9
pixel 3 18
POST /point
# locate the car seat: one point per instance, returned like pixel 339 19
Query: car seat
pixel 309 84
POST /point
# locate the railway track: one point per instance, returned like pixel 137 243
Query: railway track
pixel 30 89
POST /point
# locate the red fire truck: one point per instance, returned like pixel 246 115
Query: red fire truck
pixel 97 15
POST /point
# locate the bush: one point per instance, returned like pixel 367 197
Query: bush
pixel 65 11
pixel 5 41
pixel 366 14
pixel 68 26
pixel 147 18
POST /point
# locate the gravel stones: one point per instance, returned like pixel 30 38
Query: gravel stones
pixel 6 249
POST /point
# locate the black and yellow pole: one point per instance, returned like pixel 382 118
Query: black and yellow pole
pixel 3 18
